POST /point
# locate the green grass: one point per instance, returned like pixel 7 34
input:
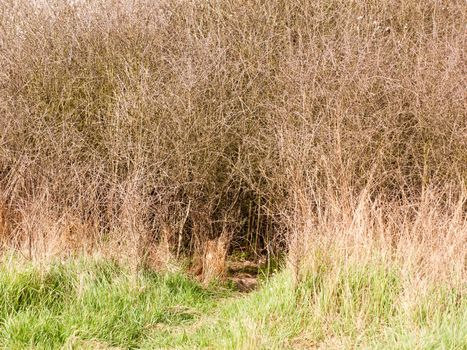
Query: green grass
pixel 97 304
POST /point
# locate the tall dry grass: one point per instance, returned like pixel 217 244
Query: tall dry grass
pixel 133 125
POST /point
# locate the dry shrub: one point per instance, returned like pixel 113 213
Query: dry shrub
pixel 131 117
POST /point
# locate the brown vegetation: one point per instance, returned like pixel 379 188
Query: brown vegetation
pixel 136 125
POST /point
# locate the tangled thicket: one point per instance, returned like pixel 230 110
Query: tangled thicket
pixel 145 124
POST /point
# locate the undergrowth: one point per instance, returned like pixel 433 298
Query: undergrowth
pixel 129 125
pixel 169 137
